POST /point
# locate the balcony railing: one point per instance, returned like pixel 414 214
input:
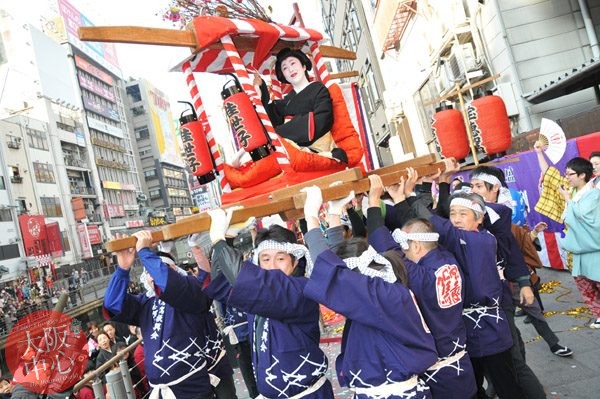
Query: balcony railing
pixel 16 179
pixel 77 163
pixel 83 190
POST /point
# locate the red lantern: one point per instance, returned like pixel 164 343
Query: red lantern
pixel 450 134
pixel 249 130
pixel 490 124
pixel 196 149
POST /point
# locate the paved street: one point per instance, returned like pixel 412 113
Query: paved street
pixel 575 378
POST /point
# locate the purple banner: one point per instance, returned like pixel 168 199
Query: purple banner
pixel 523 174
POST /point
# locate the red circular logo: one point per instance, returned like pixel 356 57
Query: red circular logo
pixel 46 352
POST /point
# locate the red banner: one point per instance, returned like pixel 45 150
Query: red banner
pixel 94 234
pixel 33 230
pixel 54 241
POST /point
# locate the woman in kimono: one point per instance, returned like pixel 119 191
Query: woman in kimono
pixel 305 115
pixel 386 343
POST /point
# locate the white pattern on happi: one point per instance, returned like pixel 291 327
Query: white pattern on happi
pixel 293 378
pixel 430 374
pixel 477 312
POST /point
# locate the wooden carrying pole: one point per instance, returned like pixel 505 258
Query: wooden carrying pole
pixel 187 38
pixel 201 222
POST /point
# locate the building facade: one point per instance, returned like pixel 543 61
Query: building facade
pixel 165 183
pixel 541 57
pixel 348 25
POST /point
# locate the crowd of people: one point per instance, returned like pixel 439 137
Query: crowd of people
pixel 429 287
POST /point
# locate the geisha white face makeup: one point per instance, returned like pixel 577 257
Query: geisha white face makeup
pixel 294 71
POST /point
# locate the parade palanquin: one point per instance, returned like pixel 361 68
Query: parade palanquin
pixel 269 182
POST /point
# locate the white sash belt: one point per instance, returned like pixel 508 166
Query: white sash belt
pixel 165 389
pixel 441 363
pixel 386 390
pixel 214 380
pixel 312 389
pixel 230 332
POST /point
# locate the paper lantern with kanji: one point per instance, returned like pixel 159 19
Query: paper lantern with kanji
pixel 490 124
pixel 450 134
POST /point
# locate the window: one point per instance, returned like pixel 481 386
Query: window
pixel 2 185
pixel 150 174
pixel 5 215
pixel 139 110
pixel 65 241
pixel 51 206
pixel 37 139
pixel 43 172
pixel 142 133
pixel 155 193
pixel 133 92
pixel 9 251
pixel 64 126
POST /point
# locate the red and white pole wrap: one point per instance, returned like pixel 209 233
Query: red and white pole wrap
pixel 320 67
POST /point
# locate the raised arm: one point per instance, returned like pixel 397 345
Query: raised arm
pixel 538 146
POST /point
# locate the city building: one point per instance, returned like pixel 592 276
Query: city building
pixel 165 187
pixel 541 57
pixel 348 25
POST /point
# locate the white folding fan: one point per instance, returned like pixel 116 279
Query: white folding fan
pixel 554 140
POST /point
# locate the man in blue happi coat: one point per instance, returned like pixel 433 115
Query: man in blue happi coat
pixel 437 282
pixel 386 343
pixel 283 323
pixel 182 345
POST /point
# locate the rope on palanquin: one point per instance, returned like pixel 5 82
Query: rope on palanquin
pixel 247 85
pixel 201 112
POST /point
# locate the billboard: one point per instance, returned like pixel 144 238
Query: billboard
pixel 86 246
pixel 33 231
pixel 54 241
pixel 164 128
pixel 103 53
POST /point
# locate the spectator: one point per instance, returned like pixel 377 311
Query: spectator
pixel 111 332
pixel 582 222
pixel 595 160
pixel 106 352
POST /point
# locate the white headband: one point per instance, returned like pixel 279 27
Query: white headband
pixel 369 256
pixel 493 180
pixel 468 204
pixel 402 237
pixel 296 250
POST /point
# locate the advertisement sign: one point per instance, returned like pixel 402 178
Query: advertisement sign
pixel 104 127
pixel 111 211
pixel 54 241
pixel 101 109
pixel 94 235
pixel 134 223
pixel 78 208
pixel 164 128
pixel 33 231
pixel 95 87
pixel 86 246
pixel 103 53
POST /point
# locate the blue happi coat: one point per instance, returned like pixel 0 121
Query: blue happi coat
pixel 385 339
pixel 179 332
pixel 232 317
pixel 488 332
pixel 283 327
pixel 437 282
